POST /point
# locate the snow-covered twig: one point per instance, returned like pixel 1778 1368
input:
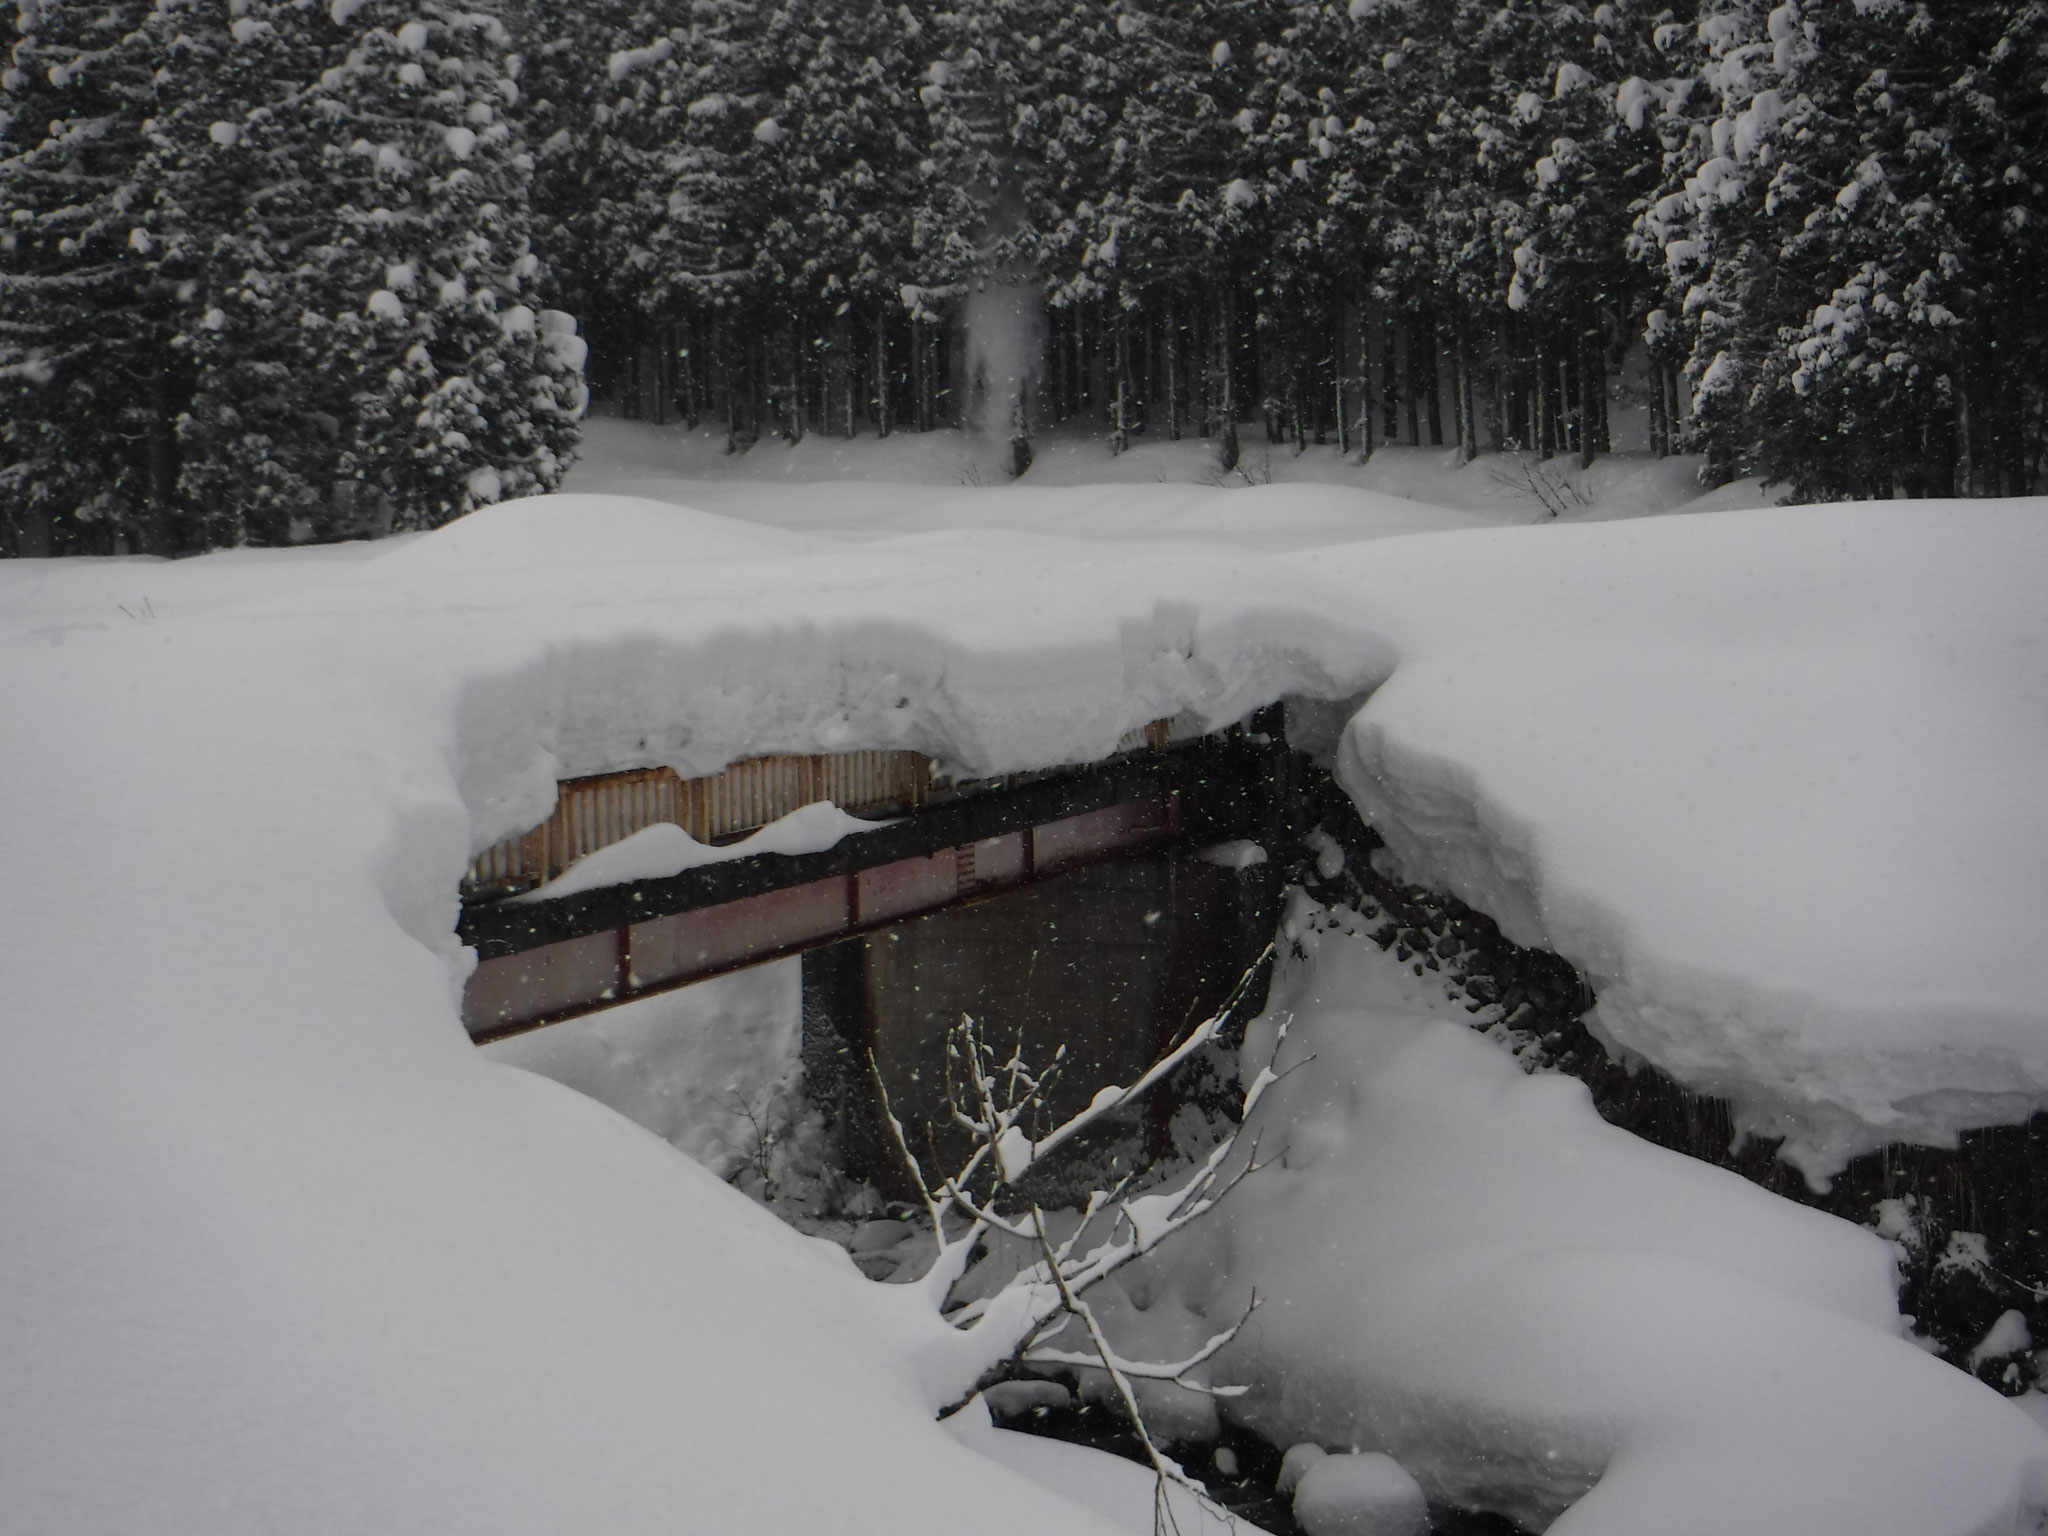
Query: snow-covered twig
pixel 1113 1098
pixel 1174 1371
pixel 1165 1469
pixel 993 1100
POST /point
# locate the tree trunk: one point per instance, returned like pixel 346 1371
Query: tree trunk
pixel 1468 416
pixel 1365 412
pixel 686 370
pixel 1433 383
pixel 153 530
pixel 1411 381
pixel 1660 428
pixel 884 422
pixel 1172 361
pixel 1120 434
pixel 1592 390
pixel 1390 375
pixel 661 350
pixel 1226 394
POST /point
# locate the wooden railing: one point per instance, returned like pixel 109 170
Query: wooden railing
pixel 595 812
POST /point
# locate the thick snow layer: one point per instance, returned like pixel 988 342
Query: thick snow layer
pixel 712 1069
pixel 1767 777
pixel 1771 779
pixel 1466 1268
pixel 665 849
pixel 285 1251
pixel 1366 1493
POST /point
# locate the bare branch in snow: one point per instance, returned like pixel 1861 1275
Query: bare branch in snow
pixel 994 1099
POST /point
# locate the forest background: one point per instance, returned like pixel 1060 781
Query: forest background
pixel 273 271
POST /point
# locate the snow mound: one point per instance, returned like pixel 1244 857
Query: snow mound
pixel 1365 1494
pixel 1538 1314
pixel 1278 497
pixel 285 1251
pixel 711 1069
pixel 1116 1490
pixel 1768 778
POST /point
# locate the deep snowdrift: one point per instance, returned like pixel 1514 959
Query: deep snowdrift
pixel 285 1251
pixel 1765 776
pixel 1466 1267
pixel 1770 779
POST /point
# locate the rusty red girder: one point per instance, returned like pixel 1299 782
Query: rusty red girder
pixel 511 993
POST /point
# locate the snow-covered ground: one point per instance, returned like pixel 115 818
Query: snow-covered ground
pixel 284 1251
pixel 1076 486
pixel 1765 776
pixel 1539 1314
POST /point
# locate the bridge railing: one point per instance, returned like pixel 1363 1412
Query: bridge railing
pixel 595 812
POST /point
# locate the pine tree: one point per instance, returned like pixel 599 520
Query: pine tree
pixel 418 295
pixel 260 437
pixel 1848 231
pixel 269 277
pixel 566 88
pixel 89 299
pixel 847 171
pixel 1154 237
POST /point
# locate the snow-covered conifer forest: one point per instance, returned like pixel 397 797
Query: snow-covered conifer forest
pixel 277 271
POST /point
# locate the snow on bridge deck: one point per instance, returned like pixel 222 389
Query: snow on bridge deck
pixel 282 1242
pixel 543 959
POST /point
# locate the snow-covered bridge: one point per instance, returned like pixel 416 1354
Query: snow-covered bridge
pixel 636 885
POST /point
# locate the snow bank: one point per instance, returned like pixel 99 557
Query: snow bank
pixel 1769 778
pixel 285 1251
pixel 709 1068
pixel 1535 1313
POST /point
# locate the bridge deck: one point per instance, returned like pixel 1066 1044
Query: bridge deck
pixel 541 961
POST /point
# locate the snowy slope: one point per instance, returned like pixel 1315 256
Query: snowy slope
pixel 1769 778
pixel 285 1252
pixel 1765 776
pixel 1538 1314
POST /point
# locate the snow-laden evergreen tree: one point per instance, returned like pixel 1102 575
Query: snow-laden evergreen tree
pixel 270 277
pixel 1162 214
pixel 1019 95
pixel 420 297
pixel 272 272
pixel 1569 95
pixel 1352 121
pixel 90 386
pixel 1853 244
pixel 849 172
pixel 683 139
pixel 992 95
pixel 260 436
pixel 573 58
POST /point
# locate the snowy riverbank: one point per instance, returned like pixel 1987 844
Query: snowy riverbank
pixel 285 1250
